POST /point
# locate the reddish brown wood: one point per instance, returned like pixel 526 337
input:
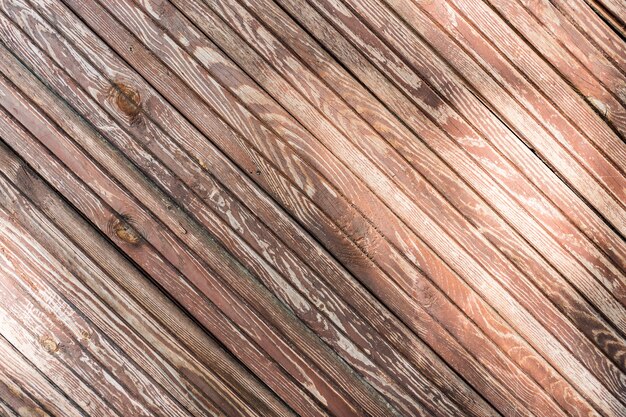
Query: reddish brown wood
pixel 377 208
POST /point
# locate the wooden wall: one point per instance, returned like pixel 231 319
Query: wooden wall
pixel 313 208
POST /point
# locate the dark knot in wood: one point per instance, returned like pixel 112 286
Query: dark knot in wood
pixel 128 100
pixel 125 231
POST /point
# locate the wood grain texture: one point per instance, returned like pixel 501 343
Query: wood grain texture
pixel 312 207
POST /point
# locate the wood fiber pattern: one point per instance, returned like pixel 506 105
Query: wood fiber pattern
pixel 313 208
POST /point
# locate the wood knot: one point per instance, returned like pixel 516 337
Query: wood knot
pixel 49 344
pixel 123 229
pixel 127 99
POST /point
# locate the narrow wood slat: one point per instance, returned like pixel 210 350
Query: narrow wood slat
pixel 182 226
pixel 13 399
pixel 16 367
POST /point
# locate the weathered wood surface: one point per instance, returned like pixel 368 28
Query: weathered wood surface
pixel 315 208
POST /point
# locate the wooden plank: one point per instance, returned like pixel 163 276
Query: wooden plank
pixel 15 367
pixel 13 399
